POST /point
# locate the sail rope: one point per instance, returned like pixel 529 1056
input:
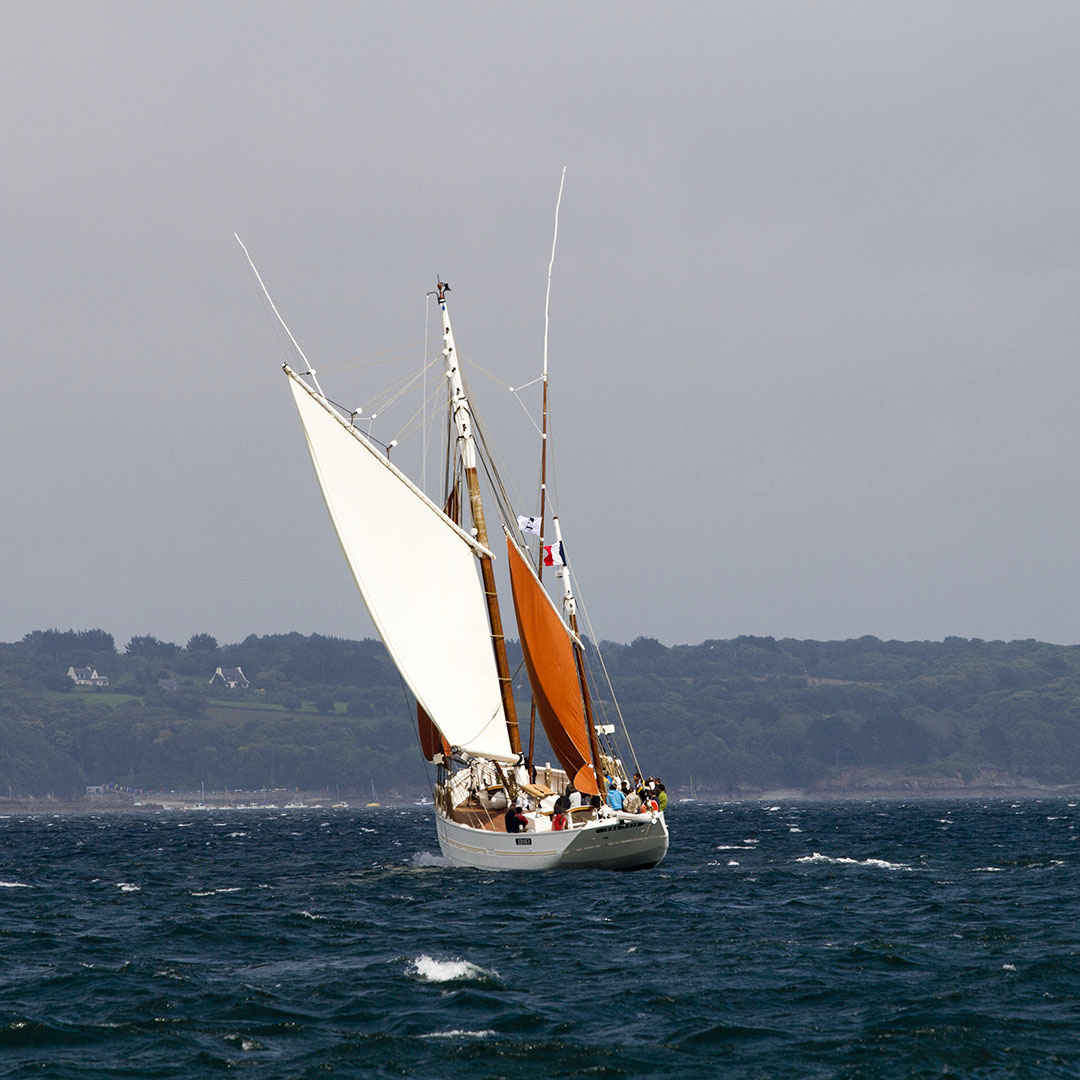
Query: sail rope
pixel 414 720
pixel 395 354
pixel 607 677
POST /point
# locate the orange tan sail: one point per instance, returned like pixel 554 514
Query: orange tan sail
pixel 549 657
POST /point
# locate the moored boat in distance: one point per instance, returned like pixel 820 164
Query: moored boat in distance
pixel 428 582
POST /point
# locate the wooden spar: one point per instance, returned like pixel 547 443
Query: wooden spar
pixel 498 640
pixel 594 745
pixel 540 555
pixel 570 607
pixel 462 417
pixel 543 443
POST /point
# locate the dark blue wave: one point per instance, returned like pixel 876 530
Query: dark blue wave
pixel 781 940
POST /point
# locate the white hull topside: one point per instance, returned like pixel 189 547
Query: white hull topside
pixel 619 842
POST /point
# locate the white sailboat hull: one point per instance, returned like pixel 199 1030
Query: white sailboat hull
pixel 622 842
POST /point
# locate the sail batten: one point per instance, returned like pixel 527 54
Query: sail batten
pixel 553 673
pixel 416 571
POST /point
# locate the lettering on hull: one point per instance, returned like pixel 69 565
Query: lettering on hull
pixel 524 841
pixel 620 826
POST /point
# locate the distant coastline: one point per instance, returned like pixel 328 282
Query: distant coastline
pixel 897 789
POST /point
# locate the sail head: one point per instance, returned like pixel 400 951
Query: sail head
pixel 416 572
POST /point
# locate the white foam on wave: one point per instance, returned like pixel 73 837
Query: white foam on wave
pixel 126 886
pixel 459 1033
pixel 425 858
pixel 440 971
pixel 878 864
pixel 14 885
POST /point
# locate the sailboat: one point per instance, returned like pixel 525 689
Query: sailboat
pixel 427 579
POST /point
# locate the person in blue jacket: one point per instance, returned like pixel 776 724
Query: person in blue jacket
pixel 614 795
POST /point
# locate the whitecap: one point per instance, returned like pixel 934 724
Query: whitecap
pixel 988 870
pixel 1008 967
pixel 314 918
pixel 431 970
pixel 126 886
pixel 732 862
pixel 245 1042
pixel 794 828
pixel 425 858
pixel 459 1033
pixel 14 885
pixel 879 864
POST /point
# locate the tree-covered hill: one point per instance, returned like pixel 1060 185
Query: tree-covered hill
pixel 740 716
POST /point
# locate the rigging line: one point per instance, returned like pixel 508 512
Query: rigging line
pixel 415 722
pixel 607 676
pixel 413 424
pixel 389 349
pixel 406 353
pixel 484 371
pixel 258 277
pixel 390 395
pixel 403 386
pixel 487 458
pixel 532 420
pixel 383 356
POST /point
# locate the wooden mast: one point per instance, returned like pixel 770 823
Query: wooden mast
pixel 570 608
pixel 462 417
pixel 540 555
pixel 543 447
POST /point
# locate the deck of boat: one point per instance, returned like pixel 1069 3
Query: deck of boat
pixel 480 817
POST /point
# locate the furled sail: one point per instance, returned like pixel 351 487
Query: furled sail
pixel 416 572
pixel 549 657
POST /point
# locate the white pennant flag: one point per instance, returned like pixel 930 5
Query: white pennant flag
pixel 529 524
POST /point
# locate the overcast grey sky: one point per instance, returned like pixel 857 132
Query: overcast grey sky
pixel 814 316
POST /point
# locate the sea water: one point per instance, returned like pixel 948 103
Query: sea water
pixel 777 940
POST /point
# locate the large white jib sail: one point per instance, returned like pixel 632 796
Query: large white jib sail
pixel 416 571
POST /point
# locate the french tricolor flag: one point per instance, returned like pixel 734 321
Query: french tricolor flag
pixel 554 555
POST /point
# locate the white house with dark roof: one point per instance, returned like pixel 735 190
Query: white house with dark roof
pixel 232 677
pixel 84 676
